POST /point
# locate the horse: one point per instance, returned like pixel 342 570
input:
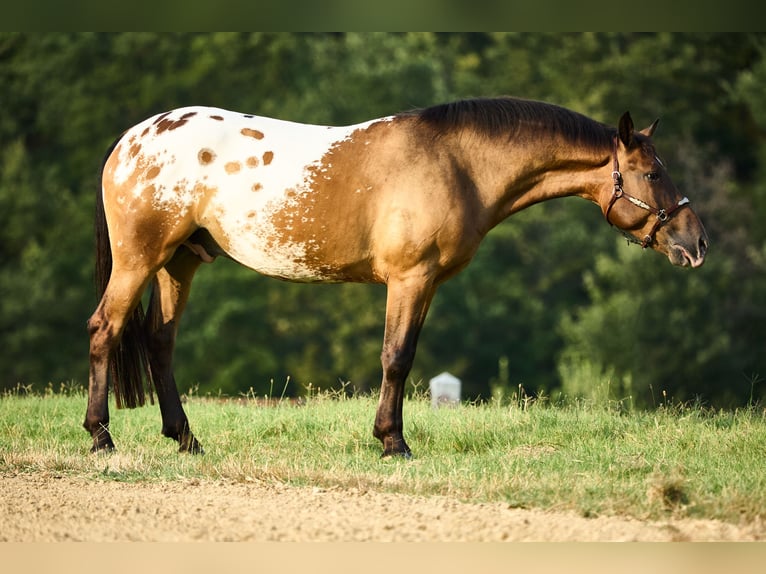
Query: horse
pixel 403 200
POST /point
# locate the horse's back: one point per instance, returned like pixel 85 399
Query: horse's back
pixel 219 148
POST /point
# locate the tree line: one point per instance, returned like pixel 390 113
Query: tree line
pixel 554 302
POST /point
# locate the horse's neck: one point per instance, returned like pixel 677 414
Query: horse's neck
pixel 513 176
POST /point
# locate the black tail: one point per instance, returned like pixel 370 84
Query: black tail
pixel 129 361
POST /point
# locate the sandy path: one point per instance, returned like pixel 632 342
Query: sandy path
pixel 42 508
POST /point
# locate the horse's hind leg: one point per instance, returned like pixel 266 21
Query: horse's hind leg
pixel 169 297
pixel 105 327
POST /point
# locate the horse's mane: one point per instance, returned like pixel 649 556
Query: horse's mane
pixel 512 118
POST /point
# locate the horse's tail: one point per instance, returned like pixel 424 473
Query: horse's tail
pixel 129 360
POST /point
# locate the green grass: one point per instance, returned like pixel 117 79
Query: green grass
pixel 594 459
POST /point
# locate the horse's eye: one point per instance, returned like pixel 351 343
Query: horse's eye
pixel 652 176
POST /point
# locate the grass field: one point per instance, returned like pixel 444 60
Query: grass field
pixel 595 459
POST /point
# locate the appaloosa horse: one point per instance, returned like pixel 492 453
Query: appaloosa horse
pixel 403 200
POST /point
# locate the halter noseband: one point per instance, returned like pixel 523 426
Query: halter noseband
pixel 663 215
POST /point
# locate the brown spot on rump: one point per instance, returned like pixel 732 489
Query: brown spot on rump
pixel 257 187
pixel 153 172
pixel 268 157
pixel 134 149
pixel 170 125
pixel 163 125
pixel 252 161
pixel 251 133
pixel 161 117
pixel 233 167
pixel 146 131
pixel 217 118
pixel 252 213
pixel 206 156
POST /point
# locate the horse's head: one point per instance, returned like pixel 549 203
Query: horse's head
pixel 645 204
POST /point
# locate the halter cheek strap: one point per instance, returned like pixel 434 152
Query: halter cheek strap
pixel 663 215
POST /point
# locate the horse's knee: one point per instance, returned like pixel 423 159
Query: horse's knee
pixel 98 331
pixel 94 324
pixel 397 363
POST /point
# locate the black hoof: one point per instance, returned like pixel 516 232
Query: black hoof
pixel 395 446
pixel 406 455
pixel 102 446
pixel 192 447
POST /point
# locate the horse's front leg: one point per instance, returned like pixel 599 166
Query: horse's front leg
pixel 406 308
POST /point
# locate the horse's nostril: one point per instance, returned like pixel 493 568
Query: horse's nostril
pixel 702 246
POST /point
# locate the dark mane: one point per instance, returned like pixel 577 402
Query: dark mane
pixel 513 118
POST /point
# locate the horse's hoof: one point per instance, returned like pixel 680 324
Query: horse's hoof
pixel 193 447
pixel 406 455
pixel 105 447
pixel 395 445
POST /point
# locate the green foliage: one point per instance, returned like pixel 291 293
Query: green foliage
pixel 552 300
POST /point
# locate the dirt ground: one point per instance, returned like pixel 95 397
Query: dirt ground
pixel 46 508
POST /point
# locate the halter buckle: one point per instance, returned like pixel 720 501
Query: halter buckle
pixel 662 215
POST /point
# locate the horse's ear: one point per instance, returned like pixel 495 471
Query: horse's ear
pixel 650 130
pixel 625 130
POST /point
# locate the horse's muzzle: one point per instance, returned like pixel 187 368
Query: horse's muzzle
pixel 686 255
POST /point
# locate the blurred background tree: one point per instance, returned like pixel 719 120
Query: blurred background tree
pixel 554 301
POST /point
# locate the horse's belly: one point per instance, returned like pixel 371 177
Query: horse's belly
pixel 290 260
pixel 278 237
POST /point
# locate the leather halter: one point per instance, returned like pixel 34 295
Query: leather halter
pixel 663 215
